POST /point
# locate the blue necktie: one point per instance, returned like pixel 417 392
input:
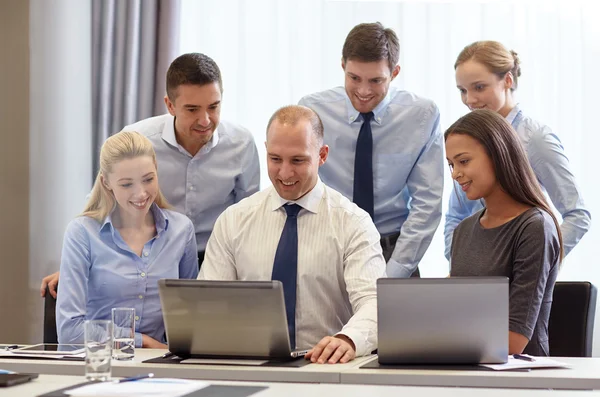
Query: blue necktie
pixel 363 167
pixel 285 267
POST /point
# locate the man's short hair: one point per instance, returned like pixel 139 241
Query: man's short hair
pixel 371 42
pixel 292 114
pixel 193 68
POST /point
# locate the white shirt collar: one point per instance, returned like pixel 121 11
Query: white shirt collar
pixel 310 201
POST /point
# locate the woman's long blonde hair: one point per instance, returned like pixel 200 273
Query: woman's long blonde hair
pixel 121 146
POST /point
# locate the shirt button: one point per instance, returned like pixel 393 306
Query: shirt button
pixel 191 187
pixel 141 296
pixel 137 318
pixel 143 274
pixel 379 119
pixel 145 253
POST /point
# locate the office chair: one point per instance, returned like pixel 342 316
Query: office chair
pixel 50 335
pixel 571 324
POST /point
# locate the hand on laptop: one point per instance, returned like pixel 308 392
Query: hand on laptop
pixel 151 343
pixel 332 349
pixel 51 281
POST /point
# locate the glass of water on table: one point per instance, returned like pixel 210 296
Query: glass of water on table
pixel 98 336
pixel 123 319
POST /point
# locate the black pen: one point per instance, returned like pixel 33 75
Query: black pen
pixel 167 355
pixel 134 378
pixel 523 357
pixel 11 347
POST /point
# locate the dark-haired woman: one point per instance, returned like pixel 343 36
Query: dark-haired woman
pixel 515 235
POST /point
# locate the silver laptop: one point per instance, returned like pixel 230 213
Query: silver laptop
pixel 458 320
pixel 226 319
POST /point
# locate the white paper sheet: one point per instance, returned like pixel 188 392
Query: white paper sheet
pixel 9 353
pixel 515 363
pixel 153 387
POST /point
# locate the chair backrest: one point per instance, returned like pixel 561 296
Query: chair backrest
pixel 50 335
pixel 571 325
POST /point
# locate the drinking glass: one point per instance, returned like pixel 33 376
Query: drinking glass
pixel 123 333
pixel 98 336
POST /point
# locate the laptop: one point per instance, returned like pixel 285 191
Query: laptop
pixel 457 320
pixel 226 319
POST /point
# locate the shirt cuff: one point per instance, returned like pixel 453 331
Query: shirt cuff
pixel 396 270
pixel 138 339
pixel 360 342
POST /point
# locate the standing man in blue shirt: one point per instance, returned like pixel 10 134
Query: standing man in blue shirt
pixel 205 164
pixel 386 147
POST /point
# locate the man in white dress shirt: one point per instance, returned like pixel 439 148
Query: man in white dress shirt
pixel 337 245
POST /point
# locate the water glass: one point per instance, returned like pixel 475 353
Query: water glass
pixel 98 336
pixel 123 333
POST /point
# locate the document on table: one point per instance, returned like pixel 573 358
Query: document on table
pixel 10 353
pixel 537 362
pixel 153 387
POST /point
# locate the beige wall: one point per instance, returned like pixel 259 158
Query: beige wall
pixel 14 171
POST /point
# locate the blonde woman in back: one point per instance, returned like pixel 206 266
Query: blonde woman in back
pixel 124 241
pixel 487 76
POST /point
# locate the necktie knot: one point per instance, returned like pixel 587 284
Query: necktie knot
pixel 367 116
pixel 292 210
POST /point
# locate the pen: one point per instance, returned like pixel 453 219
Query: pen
pixel 11 347
pixel 134 378
pixel 167 355
pixel 523 357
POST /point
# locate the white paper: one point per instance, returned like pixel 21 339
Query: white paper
pixel 10 353
pixel 515 363
pixel 219 361
pixel 154 387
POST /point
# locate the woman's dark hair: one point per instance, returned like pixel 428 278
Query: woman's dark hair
pixel 512 168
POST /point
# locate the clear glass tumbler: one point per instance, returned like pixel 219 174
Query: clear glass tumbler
pixel 98 349
pixel 123 333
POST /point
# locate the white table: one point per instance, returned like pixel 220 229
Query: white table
pixel 47 383
pixel 583 374
pixel 311 373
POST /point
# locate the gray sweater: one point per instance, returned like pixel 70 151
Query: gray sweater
pixel 526 250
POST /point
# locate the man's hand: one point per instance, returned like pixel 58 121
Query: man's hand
pixel 151 343
pixel 332 349
pixel 51 281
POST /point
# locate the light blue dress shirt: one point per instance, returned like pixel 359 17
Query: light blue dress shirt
pixel 223 172
pixel 98 271
pixel 408 165
pixel 551 167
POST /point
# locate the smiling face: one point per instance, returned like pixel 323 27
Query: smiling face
pixel 293 158
pixel 367 83
pixel 134 184
pixel 480 88
pixel 197 111
pixel 471 166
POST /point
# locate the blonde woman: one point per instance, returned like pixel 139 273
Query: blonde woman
pixel 487 76
pixel 124 241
